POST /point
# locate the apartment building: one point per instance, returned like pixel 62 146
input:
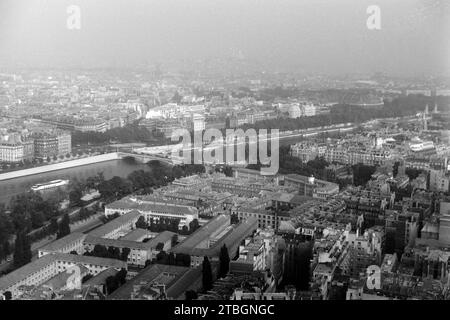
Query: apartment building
pixel 140 252
pixel 154 210
pixel 67 244
pixel 265 218
pixel 49 266
pixel 209 239
pixel 11 152
pixel 118 227
pixel 309 186
pixel 45 145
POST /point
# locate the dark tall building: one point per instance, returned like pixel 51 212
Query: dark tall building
pixel 297 260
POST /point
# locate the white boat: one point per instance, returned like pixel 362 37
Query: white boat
pixel 49 185
pixel 422 146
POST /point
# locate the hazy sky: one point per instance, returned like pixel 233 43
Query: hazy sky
pixel 306 35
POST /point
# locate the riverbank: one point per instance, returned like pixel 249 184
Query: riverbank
pixel 285 135
pixel 60 166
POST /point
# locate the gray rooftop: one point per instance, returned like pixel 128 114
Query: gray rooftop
pixel 115 224
pixel 61 243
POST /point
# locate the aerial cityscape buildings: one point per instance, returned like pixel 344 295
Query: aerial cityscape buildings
pixel 96 202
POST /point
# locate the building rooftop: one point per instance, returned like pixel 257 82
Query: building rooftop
pixel 136 235
pixel 60 280
pixel 62 242
pixel 120 243
pixel 100 278
pixel 291 198
pixel 231 236
pixel 170 208
pixel 115 224
pixel 202 234
pixel 32 267
pixel 154 274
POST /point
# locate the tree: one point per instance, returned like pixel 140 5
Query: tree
pixel 22 250
pixel 207 279
pixel 228 171
pixel 19 251
pixel 141 223
pixel 193 225
pixel 75 196
pixel 362 174
pixel 173 225
pixel 37 219
pixel 114 253
pixel 111 284
pixel 86 278
pixel 161 257
pixel 413 173
pixel 100 251
pixel 53 227
pixel 121 276
pixel 174 240
pixel 64 227
pixel 171 259
pixel 6 227
pixel 159 246
pixel 84 213
pixel 6 249
pixel 124 254
pixel 224 259
pixel 27 254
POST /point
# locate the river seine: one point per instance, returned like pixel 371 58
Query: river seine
pixel 121 168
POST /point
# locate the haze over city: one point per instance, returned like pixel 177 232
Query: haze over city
pixel 302 36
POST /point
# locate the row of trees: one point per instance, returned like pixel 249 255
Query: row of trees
pixel 31 217
pixel 36 216
pixel 224 267
pixel 109 252
pixel 402 106
pixel 172 225
pixel 37 161
pixel 22 250
pixel 22 244
pixel 78 188
pixel 6 230
pixel 129 133
pixel 30 211
pixel 159 175
pixel 63 226
pixel 180 259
